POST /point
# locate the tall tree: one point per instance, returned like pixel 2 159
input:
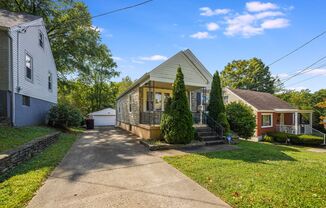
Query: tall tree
pixel 216 106
pixel 124 84
pixel 73 38
pixel 180 119
pixel 250 74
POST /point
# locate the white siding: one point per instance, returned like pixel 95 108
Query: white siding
pixel 166 72
pixel 43 63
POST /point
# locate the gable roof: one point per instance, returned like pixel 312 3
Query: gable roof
pixel 261 100
pixel 10 19
pixel 189 60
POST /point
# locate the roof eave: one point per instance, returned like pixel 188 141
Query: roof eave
pixel 136 83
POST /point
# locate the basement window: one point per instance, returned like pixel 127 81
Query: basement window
pixel 26 101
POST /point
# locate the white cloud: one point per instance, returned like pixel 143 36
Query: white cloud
pixel 98 29
pixel 206 11
pixel 296 88
pixel 202 35
pixel 257 6
pixel 135 61
pixel 154 58
pixel 116 58
pixel 317 72
pixel 262 15
pixel 275 23
pixel 212 26
pixel 282 75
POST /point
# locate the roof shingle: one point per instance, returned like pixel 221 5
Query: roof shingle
pixel 10 19
pixel 262 100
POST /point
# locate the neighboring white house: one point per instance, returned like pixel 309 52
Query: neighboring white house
pixel 105 117
pixel 28 76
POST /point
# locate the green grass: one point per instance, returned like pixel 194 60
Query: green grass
pixel 11 138
pixel 19 186
pixel 260 175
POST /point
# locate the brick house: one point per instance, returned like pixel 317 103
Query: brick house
pixel 272 113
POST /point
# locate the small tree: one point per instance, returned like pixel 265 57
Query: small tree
pixel 216 106
pixel 177 124
pixel 241 119
pixel 166 118
pixel 64 115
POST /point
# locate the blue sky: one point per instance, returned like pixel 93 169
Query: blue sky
pixel 217 31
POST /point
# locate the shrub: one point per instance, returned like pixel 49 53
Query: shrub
pixel 216 108
pixel 294 139
pixel 177 123
pixel 268 138
pixel 241 119
pixel 64 115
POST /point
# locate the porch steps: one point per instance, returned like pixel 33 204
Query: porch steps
pixel 210 137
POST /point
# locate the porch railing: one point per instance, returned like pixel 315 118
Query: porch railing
pixel 302 129
pixel 154 117
pixel 209 121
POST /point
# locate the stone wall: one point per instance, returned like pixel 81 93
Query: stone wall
pixel 12 158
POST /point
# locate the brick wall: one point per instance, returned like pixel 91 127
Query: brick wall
pixel 12 158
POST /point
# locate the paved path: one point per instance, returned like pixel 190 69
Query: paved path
pixel 108 168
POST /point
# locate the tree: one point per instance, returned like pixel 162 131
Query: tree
pixel 180 118
pixel 322 105
pixel 250 74
pixel 241 118
pixel 124 84
pixel 216 106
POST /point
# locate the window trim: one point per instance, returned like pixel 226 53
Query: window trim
pixel 267 114
pixel 32 68
pixel 39 40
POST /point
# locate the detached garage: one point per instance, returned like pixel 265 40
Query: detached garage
pixel 105 117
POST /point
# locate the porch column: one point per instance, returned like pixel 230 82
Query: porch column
pixel 296 123
pixel 310 123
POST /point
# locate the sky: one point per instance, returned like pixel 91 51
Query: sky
pixel 217 32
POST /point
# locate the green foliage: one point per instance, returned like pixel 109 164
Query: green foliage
pixel 177 123
pixel 216 106
pixel 304 99
pixel 11 138
pixel 241 119
pixel 124 84
pixel 250 74
pixel 64 115
pixel 259 175
pixel 302 139
pixel 165 124
pixel 20 184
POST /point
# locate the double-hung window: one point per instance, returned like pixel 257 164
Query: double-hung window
pixel 41 39
pixel 266 120
pixel 158 101
pixel 50 81
pixel 29 67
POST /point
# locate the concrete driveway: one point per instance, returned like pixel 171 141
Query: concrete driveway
pixel 108 168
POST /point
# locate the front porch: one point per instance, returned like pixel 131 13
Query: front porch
pixel 294 121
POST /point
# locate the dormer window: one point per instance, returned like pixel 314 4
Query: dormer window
pixel 41 39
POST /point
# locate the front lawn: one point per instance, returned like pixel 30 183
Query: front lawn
pixel 260 175
pixel 11 138
pixel 19 186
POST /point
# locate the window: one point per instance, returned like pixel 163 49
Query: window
pixel 130 100
pixel 267 120
pixel 41 39
pixel 29 66
pixel 226 99
pixel 50 81
pixel 149 101
pixel 158 101
pixel 26 101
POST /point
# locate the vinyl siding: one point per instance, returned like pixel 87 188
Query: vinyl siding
pixel 4 61
pixel 43 63
pixel 166 72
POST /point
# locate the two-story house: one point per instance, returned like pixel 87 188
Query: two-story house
pixel 28 76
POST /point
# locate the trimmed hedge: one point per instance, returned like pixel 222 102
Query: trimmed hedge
pixel 302 139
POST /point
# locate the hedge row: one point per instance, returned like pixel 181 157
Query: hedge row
pixel 293 139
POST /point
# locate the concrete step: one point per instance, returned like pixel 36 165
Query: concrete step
pixel 210 138
pixel 203 129
pixel 215 142
pixel 207 133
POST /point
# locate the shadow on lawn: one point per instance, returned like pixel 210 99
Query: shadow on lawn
pixel 255 153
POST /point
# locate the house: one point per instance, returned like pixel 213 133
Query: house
pixel 272 114
pixel 28 76
pixel 139 108
pixel 105 117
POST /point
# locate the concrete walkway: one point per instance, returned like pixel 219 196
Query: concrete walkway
pixel 108 168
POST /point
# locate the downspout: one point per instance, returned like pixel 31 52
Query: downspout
pixel 12 109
